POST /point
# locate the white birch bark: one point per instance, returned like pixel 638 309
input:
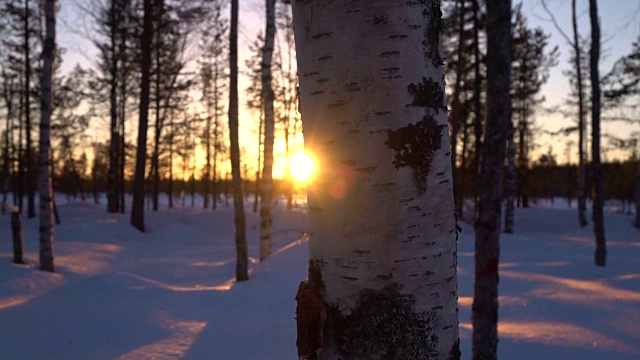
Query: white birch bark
pixel 266 216
pixel 382 224
pixel 44 184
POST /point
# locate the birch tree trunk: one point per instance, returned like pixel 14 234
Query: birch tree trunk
pixel 266 203
pixel 112 183
pixel 487 227
pixel 582 204
pixel 242 258
pixel 137 207
pixel 598 191
pixel 45 184
pixel 28 158
pixel 381 212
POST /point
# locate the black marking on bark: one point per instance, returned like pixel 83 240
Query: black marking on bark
pixel 323 80
pixel 384 325
pixel 440 173
pixel 350 278
pixel 429 273
pixel 381 131
pixel 388 54
pixel 448 153
pixel 348 267
pixel 392 77
pixel 352 87
pixel 380 19
pixel 444 181
pixel 437 308
pixel 324 58
pixel 413 275
pixel 413 226
pixel 406 200
pixel 432 41
pixel 339 103
pixel 415 208
pixel 455 353
pixel 322 35
pixel 388 276
pixel 315 275
pixel 362 252
pixel 428 94
pixel 410 238
pixel 317 92
pixel 403 260
pixel 394 37
pixel 311 73
pixel 429 244
pixel 414 147
pixel 436 225
pixel 367 170
pixel 381 113
pixel 391 70
pixel 384 184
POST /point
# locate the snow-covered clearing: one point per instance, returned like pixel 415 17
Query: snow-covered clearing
pixel 170 294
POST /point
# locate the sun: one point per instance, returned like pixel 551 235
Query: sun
pixel 302 167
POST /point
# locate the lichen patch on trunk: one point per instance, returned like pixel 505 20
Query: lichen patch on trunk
pixel 428 94
pixel 414 146
pixel 384 325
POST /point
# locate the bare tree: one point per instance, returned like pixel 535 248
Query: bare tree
pixel 266 185
pixel 45 184
pixel 137 207
pixel 238 201
pixel 598 191
pixel 490 177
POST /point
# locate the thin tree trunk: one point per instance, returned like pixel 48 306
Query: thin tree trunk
pixel 382 268
pixel 31 208
pixel 457 111
pixel 123 106
pixel 155 163
pixel 6 167
pixel 21 165
pixel 238 202
pixel 170 185
pixel 598 191
pixel 258 185
pixel 582 203
pixel 487 227
pixel 266 216
pixel 137 208
pixel 637 197
pixel 112 182
pixel 45 184
pixel 477 104
pixel 207 175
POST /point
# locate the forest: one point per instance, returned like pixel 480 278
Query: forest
pixel 338 180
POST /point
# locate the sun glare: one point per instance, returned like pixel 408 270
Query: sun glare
pixel 302 167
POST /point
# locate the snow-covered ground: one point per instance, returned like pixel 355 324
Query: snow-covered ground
pixel 170 294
